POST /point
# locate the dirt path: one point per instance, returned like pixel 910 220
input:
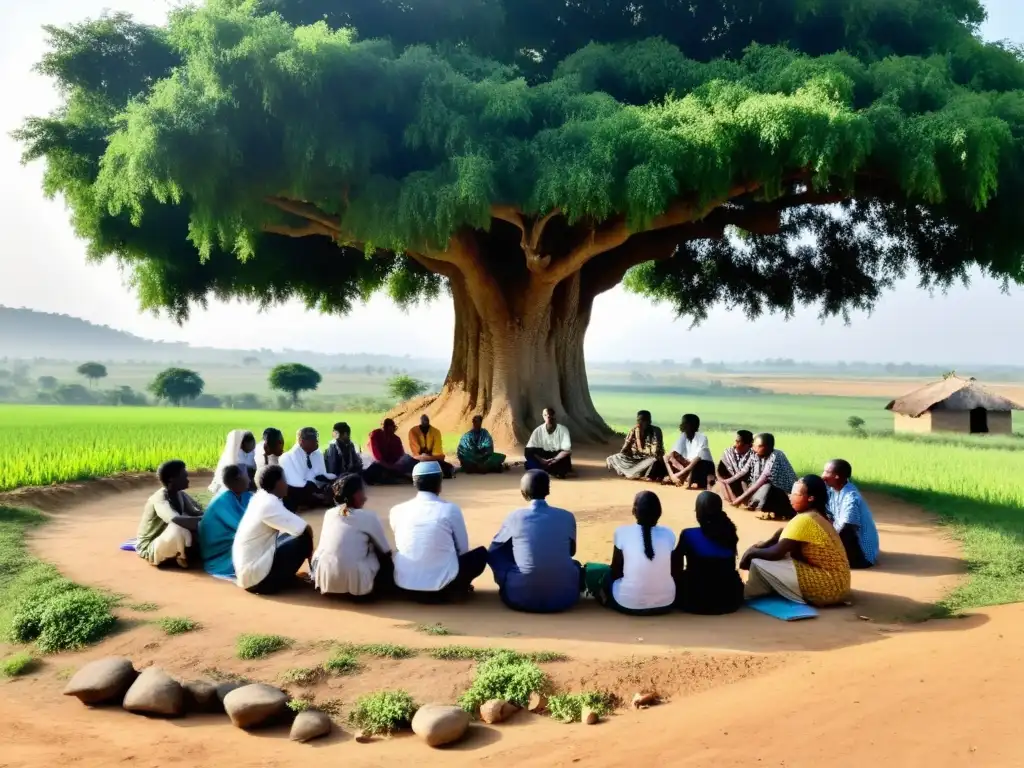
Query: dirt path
pixel 721 672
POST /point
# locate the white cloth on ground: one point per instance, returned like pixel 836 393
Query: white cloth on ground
pixel 645 584
pixel 345 561
pixel 232 454
pixel 298 471
pixel 696 449
pixel 779 577
pixel 255 543
pixel 430 534
pixel 555 441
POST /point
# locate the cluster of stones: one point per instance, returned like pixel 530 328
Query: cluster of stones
pixel 153 692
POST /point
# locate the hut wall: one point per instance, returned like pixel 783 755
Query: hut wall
pixel 952 421
pixel 922 423
pixel 1000 423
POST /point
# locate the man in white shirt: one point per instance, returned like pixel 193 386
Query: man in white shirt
pixel 690 462
pixel 271 543
pixel 433 561
pixel 269 454
pixel 550 448
pixel 306 472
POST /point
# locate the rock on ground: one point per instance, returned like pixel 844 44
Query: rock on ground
pixel 104 681
pixel 201 697
pixel 223 689
pixel 497 711
pixel 589 717
pixel 438 724
pixel 310 725
pixel 154 692
pixel 256 705
pixel 538 702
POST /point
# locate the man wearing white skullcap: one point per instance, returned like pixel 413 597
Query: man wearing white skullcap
pixel 433 561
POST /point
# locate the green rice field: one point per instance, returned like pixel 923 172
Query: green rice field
pixel 972 483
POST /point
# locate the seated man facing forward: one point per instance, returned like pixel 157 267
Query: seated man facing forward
pixel 169 526
pixel 269 453
pixel 425 445
pixel 476 451
pixel 532 554
pixel 549 447
pixel 734 466
pixel 850 515
pixel 342 456
pixel 433 561
pixel 769 472
pixel 689 462
pixel 391 464
pixel 642 453
pixel 306 472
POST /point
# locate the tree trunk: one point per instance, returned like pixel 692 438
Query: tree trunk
pixel 517 350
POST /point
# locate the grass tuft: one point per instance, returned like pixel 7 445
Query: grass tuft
pixel 341 662
pixel 256 646
pixel 143 607
pixel 18 664
pixel 568 707
pixel 299 705
pixel 381 650
pixel 178 625
pixel 382 712
pixel 303 675
pixel 506 676
pixel 469 653
pixel 436 630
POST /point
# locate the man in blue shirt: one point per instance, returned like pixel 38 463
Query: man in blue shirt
pixel 850 515
pixel 532 554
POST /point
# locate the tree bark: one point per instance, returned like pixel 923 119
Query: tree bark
pixel 511 359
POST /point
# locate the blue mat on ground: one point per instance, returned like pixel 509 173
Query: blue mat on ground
pixel 128 546
pixel 781 608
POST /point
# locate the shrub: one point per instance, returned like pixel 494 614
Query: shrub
pixel 384 650
pixel 178 625
pixel 568 707
pixel 302 675
pixel 18 664
pixel 341 663
pixel 438 630
pixel 74 619
pixel 27 619
pixel 252 646
pixel 382 712
pixel 504 676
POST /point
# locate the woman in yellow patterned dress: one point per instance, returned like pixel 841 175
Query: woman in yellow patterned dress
pixel 804 562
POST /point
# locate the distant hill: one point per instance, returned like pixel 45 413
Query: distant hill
pixel 29 335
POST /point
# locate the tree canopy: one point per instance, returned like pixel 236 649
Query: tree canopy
pixel 533 154
pixel 92 371
pixel 177 385
pixel 294 378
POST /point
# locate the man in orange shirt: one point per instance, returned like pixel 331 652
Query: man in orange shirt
pixel 425 445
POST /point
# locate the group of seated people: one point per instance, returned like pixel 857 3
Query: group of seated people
pixel 257 540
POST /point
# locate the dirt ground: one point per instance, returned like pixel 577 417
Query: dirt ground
pixel 858 683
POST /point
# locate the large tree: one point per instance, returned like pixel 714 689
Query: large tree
pixel 527 156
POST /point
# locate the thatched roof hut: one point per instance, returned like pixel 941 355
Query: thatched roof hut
pixel 953 405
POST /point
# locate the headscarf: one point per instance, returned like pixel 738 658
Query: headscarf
pixel 230 455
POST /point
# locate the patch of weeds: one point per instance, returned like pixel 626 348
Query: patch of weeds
pixel 18 664
pixel 255 646
pixel 468 653
pixel 330 707
pixel 546 657
pixel 224 676
pixel 382 712
pixel 382 650
pixel 437 630
pixel 568 707
pixel 300 705
pixel 65 673
pixel 143 607
pixel 302 675
pixel 73 620
pixel 178 625
pixel 341 662
pixel 505 676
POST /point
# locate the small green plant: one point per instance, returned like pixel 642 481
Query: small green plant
pixel 341 662
pixel 65 673
pixel 224 676
pixel 568 707
pixel 437 630
pixel 18 664
pixel 255 646
pixel 382 712
pixel 143 607
pixel 505 676
pixel 299 705
pixel 384 650
pixel 177 625
pixel 546 657
pixel 302 675
pixel 469 653
pixel 73 620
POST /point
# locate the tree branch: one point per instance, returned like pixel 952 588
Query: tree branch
pixel 309 229
pixel 531 237
pixel 308 211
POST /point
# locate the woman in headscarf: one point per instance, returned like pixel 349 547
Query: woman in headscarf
pixel 239 450
pixel 707 581
pixel 219 524
pixel 804 562
pixel 640 580
pixel 353 558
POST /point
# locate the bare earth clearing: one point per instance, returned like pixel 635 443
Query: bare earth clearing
pixel 851 686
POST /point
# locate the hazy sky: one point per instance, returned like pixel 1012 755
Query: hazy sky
pixel 42 266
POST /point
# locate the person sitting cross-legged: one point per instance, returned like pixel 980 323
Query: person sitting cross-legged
pixel 239 450
pixel 425 445
pixel 391 464
pixel 531 556
pixel 433 561
pixel 272 449
pixel 353 557
pixel 306 472
pixel 641 457
pixel 707 581
pixel 770 478
pixel 690 462
pixel 850 515
pixel 476 451
pixel 170 519
pixel 271 542
pixel 221 519
pixel 734 466
pixel 342 456
pixel 549 447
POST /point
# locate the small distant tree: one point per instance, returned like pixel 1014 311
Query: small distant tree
pixel 177 385
pixel 47 383
pixel 92 371
pixel 856 423
pixel 948 375
pixel 250 361
pixel 294 378
pixel 74 394
pixel 406 387
pixel 696 363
